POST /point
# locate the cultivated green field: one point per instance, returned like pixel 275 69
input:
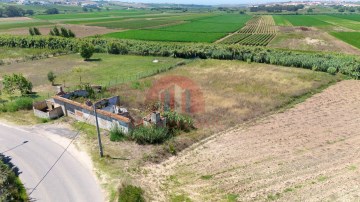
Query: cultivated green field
pixel 281 21
pixel 300 20
pixel 134 24
pixel 91 15
pixel 352 38
pixel 204 29
pixel 159 35
pixel 30 23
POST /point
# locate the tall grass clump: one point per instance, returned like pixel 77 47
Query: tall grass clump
pixel 131 193
pixel 150 135
pixel 116 134
pixel 176 121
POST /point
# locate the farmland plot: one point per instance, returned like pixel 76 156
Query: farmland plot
pixel 352 38
pixel 301 20
pixel 134 24
pixel 203 29
pixel 259 31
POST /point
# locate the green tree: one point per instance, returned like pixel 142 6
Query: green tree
pixel 14 82
pixel 29 12
pixel 55 31
pixel 71 33
pixel 36 31
pixel 51 77
pixel 64 32
pixel 86 50
pixel 31 31
pixel 52 11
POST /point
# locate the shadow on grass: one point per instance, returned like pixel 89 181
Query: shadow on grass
pixel 93 60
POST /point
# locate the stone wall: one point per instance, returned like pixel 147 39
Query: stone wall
pixel 85 113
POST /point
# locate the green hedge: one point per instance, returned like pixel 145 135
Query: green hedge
pixel 346 64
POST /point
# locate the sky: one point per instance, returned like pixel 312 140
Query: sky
pixel 207 2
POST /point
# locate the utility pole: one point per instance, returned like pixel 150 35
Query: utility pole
pixel 98 132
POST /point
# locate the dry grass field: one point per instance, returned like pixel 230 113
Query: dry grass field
pixel 307 153
pixel 79 30
pixel 310 39
pixel 234 93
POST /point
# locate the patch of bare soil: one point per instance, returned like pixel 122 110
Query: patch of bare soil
pixel 301 38
pixel 14 19
pixel 307 153
pixel 79 30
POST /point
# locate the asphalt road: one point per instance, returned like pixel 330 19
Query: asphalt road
pixel 68 181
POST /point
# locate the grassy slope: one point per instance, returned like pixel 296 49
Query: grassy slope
pixel 352 38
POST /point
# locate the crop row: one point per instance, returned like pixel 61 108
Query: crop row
pixel 260 25
pixel 235 38
pixel 257 40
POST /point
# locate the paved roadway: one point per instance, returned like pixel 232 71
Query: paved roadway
pixel 68 181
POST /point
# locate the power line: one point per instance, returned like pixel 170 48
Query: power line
pixel 57 160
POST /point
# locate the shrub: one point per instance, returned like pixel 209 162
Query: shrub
pixel 332 70
pixel 51 77
pixel 21 103
pixel 117 48
pixel 86 51
pixel 14 82
pixel 116 134
pixel 131 194
pixel 150 135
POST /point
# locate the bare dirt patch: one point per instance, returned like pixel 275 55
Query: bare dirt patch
pixel 14 19
pixel 79 30
pixel 310 39
pixel 309 152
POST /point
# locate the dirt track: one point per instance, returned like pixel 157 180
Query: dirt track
pixel 308 153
